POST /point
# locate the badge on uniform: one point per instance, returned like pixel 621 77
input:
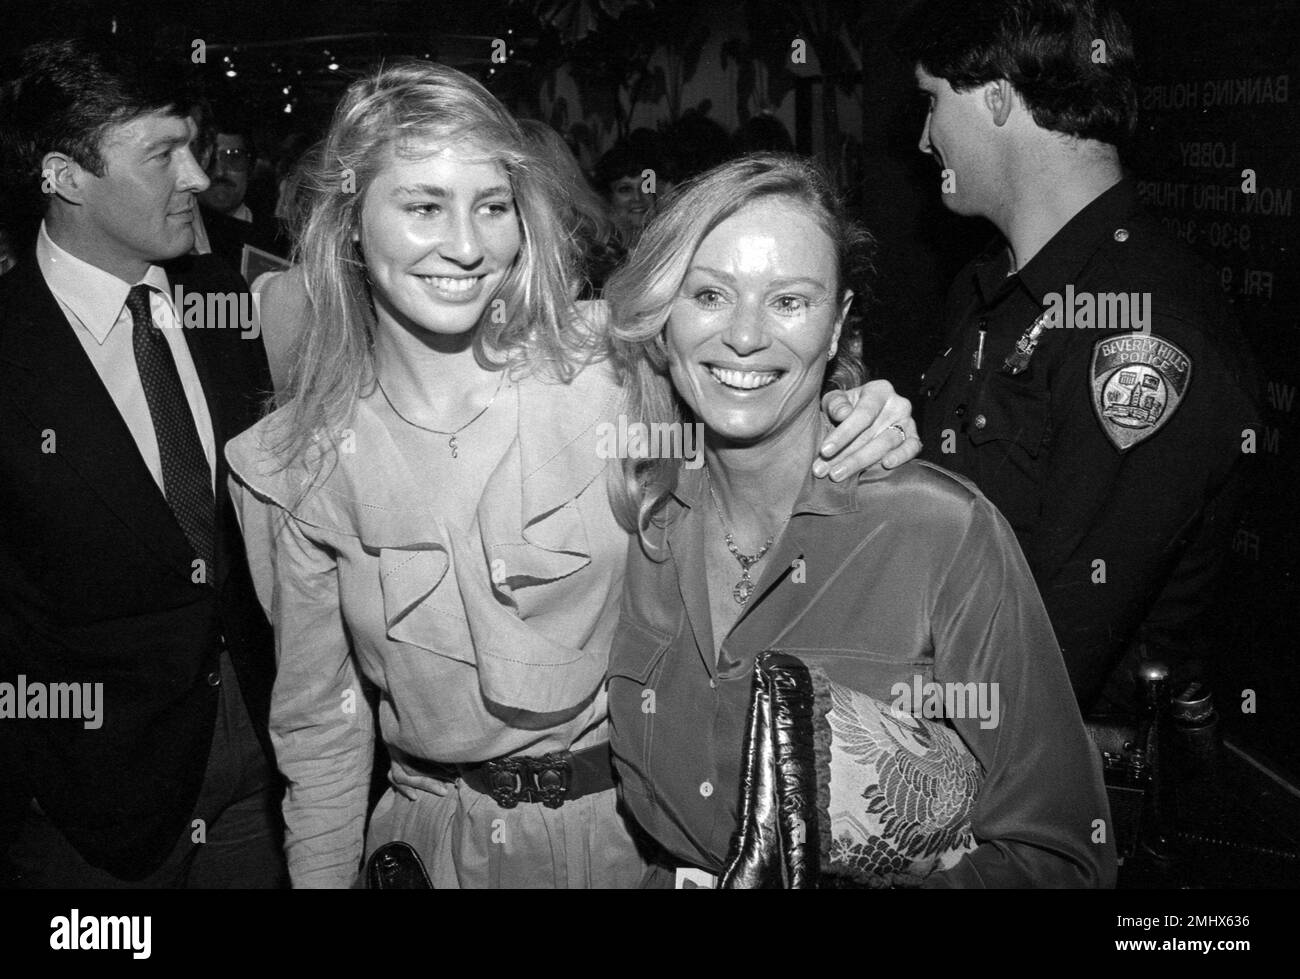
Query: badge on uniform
pixel 1138 381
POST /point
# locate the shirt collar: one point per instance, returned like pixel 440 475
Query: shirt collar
pixel 1065 254
pixel 95 297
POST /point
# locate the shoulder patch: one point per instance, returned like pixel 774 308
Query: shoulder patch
pixel 1137 382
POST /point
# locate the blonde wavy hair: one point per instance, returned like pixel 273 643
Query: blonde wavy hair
pixel 642 292
pixel 403 109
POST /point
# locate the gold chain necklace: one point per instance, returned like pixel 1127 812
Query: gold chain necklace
pixel 451 436
pixel 745 586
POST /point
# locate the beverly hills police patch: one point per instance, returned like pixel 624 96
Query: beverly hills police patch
pixel 1137 384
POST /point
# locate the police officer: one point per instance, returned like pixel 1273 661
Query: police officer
pixel 1093 382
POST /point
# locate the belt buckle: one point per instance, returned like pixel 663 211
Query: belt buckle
pixel 545 779
pixel 551 775
pixel 507 778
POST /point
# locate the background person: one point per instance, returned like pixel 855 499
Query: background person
pixel 585 211
pixel 630 192
pixel 229 159
pixel 281 294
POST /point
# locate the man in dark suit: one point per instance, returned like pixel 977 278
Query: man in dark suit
pixel 135 657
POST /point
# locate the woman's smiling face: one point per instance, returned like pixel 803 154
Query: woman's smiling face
pixel 439 232
pixel 755 320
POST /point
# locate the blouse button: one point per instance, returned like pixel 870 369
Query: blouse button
pixel 980 421
pixel 706 789
pixel 713 683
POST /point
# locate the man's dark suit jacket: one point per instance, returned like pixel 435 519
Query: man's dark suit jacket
pixel 96 584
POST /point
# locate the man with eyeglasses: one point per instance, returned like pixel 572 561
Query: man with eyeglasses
pixel 228 156
pixel 231 161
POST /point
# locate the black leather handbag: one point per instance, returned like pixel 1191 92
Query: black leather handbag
pixel 396 867
pixel 778 841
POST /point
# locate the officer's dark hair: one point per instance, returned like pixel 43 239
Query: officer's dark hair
pixel 1044 48
pixel 65 97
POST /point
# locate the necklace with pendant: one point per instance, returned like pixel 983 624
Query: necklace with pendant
pixel 452 442
pixel 745 586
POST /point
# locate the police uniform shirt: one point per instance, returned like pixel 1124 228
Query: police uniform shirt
pixel 1112 436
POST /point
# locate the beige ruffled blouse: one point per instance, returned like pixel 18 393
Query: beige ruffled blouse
pixel 482 642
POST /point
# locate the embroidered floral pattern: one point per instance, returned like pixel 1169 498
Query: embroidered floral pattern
pixel 918 782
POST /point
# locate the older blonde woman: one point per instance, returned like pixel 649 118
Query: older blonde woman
pixel 851 597
pixel 429 509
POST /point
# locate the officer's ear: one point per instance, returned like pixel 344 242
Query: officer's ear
pixel 998 99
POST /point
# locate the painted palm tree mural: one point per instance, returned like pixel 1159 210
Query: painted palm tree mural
pixel 622 54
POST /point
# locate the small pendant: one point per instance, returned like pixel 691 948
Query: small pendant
pixel 744 588
pixel 451 444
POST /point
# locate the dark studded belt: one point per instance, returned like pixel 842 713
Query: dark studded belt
pixel 551 779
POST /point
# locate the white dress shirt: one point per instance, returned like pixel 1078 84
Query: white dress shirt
pixel 94 301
